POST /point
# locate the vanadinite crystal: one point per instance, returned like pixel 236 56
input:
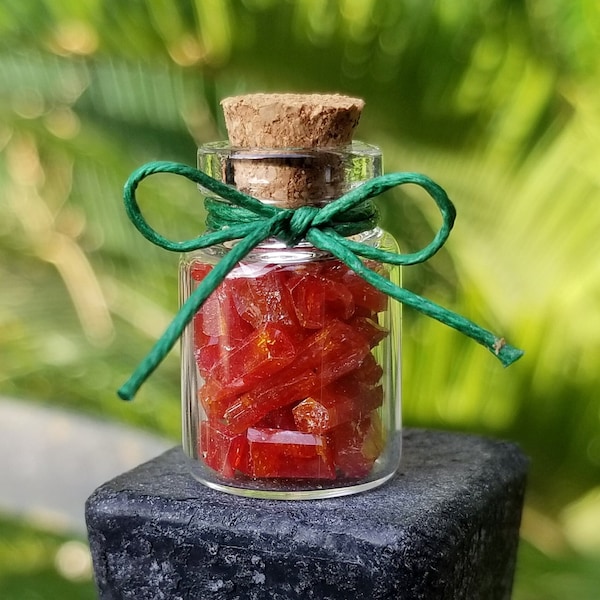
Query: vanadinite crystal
pixel 290 385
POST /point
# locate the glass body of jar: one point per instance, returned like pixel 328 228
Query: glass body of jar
pixel 291 369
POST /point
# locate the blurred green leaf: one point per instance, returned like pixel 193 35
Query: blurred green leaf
pixel 495 100
pixel 37 564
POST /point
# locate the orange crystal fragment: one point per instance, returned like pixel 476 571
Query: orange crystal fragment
pixel 345 400
pixel 220 449
pixel 282 454
pixel 325 356
pixel 357 444
pixel 363 293
pixel 370 329
pixel 261 354
pixel 217 326
pixel 318 299
pixel 264 299
pixel 280 418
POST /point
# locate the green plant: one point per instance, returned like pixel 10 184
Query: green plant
pixel 495 100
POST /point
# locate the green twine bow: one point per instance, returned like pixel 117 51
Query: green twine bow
pixel 248 220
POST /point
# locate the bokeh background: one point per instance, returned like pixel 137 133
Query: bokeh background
pixel 497 100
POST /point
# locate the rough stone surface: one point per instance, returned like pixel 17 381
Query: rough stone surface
pixel 445 527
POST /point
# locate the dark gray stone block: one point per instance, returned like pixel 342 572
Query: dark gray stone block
pixel 446 527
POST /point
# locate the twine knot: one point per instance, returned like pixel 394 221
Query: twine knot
pixel 244 218
pixel 293 224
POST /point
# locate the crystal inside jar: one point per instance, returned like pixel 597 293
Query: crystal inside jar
pixel 291 368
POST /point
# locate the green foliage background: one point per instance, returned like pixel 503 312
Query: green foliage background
pixel 497 100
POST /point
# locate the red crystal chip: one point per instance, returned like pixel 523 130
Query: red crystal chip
pixel 264 352
pixel 317 300
pixel 328 354
pixel 364 294
pixel 289 454
pixel 344 400
pixel 264 299
pixel 281 418
pixel 357 444
pixel 370 329
pixel 218 317
pixel 198 270
pixel 207 354
pixel 369 372
pixel 221 450
pixel 217 328
pixel 257 359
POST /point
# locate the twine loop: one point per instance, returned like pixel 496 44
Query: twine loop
pixel 241 217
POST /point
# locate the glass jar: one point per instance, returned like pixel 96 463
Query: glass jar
pixel 291 369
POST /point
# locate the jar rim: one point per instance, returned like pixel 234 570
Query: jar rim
pixel 291 177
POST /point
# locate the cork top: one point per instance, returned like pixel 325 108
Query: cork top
pixel 291 120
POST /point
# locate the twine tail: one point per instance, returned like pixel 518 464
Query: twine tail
pixel 189 308
pixel 506 353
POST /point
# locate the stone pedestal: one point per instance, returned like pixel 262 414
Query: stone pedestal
pixel 445 527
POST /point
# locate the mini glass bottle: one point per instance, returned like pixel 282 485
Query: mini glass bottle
pixel 291 369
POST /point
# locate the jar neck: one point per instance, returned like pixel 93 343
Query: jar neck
pixel 272 251
pixel 291 177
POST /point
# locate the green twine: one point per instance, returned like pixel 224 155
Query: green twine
pixel 248 220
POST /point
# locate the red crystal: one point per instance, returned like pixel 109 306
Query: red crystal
pixel 357 444
pixel 280 418
pixel 281 453
pixel 264 299
pixel 347 399
pixel 370 329
pixel 324 357
pixel 317 300
pixel 369 372
pixel 208 351
pixel 264 352
pixel 290 385
pixel 217 326
pixel 220 449
pixel 198 270
pixel 363 293
pixel 219 317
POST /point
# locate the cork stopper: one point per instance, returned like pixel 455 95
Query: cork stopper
pixel 291 120
pixel 309 129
